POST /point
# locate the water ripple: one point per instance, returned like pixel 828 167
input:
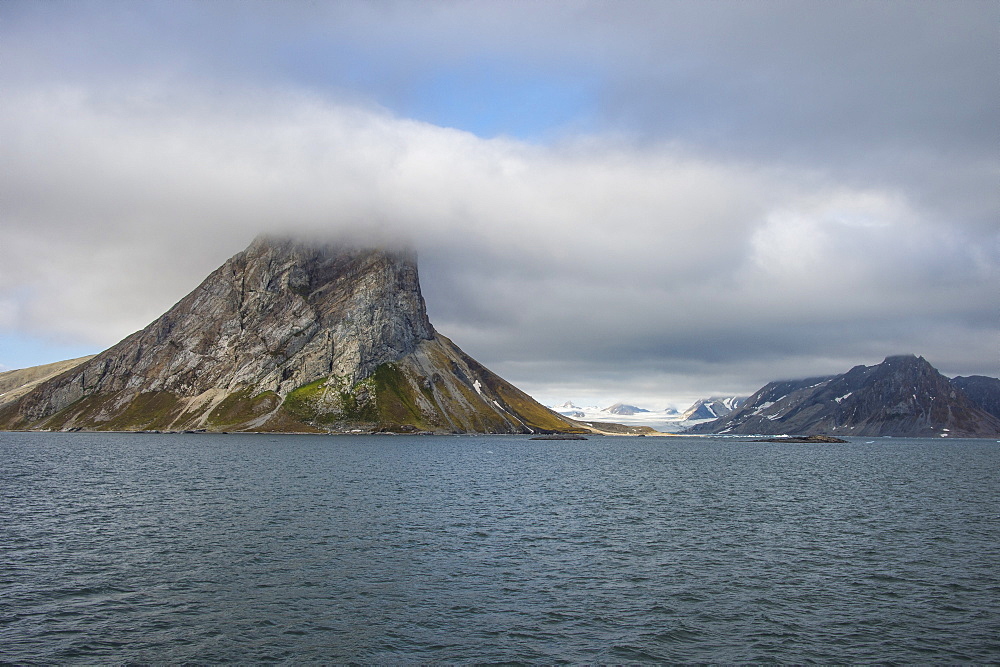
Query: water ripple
pixel 255 548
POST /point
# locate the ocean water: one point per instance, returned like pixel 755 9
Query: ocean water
pixel 279 548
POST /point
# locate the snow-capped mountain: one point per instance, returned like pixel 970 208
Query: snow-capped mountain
pixel 622 409
pixel 902 396
pixel 712 408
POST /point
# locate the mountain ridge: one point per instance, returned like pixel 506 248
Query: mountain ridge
pixel 623 409
pixel 902 396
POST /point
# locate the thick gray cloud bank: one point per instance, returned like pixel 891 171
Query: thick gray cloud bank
pixel 711 196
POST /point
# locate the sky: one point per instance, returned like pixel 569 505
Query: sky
pixel 648 202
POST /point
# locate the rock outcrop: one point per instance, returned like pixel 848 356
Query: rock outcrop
pixel 902 396
pixel 288 336
pixel 15 384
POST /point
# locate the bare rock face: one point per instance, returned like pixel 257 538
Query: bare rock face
pixel 284 336
pixel 17 383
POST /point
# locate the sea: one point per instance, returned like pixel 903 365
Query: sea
pixel 260 548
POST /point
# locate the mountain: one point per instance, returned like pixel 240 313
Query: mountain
pixel 288 336
pixel 712 408
pixel 622 409
pixel 17 383
pixel 902 396
pixel 984 392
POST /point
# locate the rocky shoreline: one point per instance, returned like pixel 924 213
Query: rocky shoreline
pixel 817 439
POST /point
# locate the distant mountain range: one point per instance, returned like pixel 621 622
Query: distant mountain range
pixel 665 420
pixel 902 396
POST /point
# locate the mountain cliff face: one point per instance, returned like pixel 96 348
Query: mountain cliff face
pixel 902 396
pixel 288 336
pixel 17 383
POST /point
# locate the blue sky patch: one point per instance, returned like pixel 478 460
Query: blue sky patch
pixel 491 100
pixel 21 351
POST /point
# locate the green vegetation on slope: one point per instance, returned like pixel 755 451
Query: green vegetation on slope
pixel 397 404
pixel 387 400
pixel 328 401
pixel 398 396
pixel 148 411
pixel 151 410
pixel 240 407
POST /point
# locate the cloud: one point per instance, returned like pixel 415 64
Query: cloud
pixel 706 209
pixel 580 250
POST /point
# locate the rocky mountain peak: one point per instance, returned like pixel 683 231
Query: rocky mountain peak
pixel 904 359
pixel 906 363
pixel 288 335
pixel 297 298
pixel 711 408
pixel 903 396
pixel 275 316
